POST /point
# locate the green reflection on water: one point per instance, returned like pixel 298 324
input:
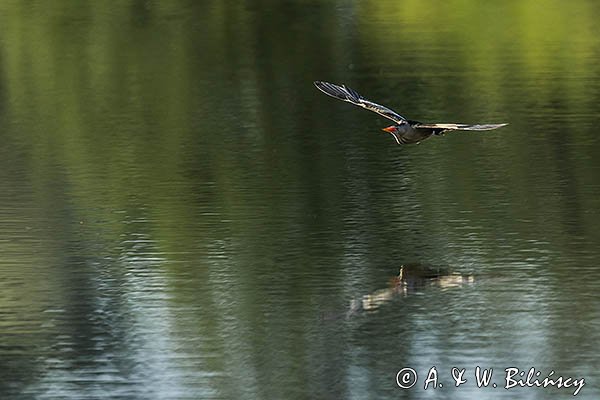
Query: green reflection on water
pixel 186 139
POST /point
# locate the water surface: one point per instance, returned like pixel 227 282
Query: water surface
pixel 183 215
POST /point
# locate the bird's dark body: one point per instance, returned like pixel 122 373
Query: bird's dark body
pixel 404 131
pixel 411 133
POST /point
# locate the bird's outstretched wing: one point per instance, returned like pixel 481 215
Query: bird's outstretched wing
pixel 460 127
pixel 346 94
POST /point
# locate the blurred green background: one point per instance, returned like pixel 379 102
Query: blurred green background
pixel 181 209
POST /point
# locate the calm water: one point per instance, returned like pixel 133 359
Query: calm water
pixel 184 216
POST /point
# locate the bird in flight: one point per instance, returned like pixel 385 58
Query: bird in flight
pixel 404 131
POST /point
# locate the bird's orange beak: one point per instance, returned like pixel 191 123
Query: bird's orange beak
pixel 390 129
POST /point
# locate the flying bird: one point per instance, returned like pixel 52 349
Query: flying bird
pixel 404 130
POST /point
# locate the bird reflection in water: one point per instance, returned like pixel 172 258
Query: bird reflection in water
pixel 411 279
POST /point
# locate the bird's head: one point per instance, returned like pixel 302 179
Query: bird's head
pixel 391 129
